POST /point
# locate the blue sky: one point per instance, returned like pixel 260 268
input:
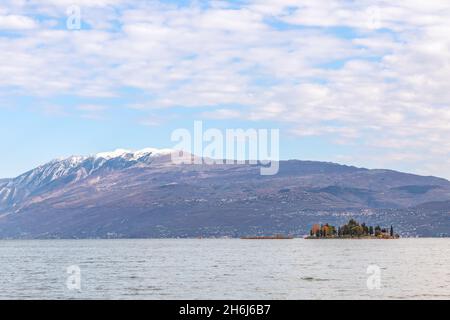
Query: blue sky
pixel 363 83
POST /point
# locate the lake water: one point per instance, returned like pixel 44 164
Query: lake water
pixel 225 269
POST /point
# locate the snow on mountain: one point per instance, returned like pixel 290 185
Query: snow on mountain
pixel 114 154
pixel 134 155
pixel 70 170
pixel 154 152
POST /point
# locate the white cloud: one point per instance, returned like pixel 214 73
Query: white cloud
pixel 221 114
pixel 16 22
pixel 383 84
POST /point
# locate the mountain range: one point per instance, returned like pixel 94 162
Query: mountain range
pixel 143 194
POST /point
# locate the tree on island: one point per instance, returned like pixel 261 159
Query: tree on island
pixel 377 230
pixel 350 230
pixel 365 228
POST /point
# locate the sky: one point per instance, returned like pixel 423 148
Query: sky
pixel 364 83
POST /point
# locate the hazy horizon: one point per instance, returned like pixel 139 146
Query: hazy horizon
pixel 281 159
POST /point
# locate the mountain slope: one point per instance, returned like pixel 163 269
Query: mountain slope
pixel 59 173
pixel 143 194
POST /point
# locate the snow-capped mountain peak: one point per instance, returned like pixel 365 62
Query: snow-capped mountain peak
pixel 153 151
pixel 113 154
pixel 73 169
pixel 133 155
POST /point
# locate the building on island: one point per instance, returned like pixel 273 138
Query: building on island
pixel 351 230
pixel 322 230
pixel 315 229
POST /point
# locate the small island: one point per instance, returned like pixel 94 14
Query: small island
pixel 351 230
